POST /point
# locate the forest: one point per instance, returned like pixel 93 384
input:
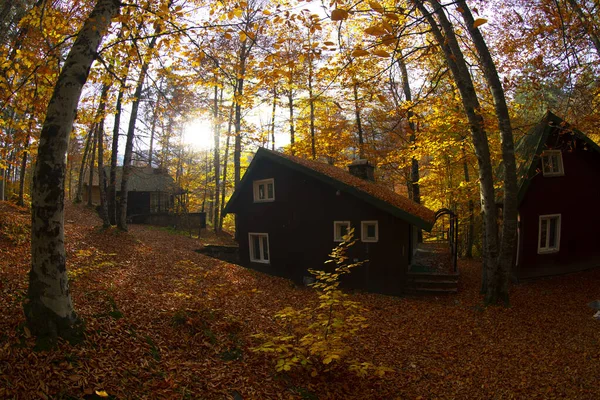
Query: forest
pixel 437 94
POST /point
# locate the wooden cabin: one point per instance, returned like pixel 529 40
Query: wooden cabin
pixel 291 212
pixel 151 190
pixel 559 190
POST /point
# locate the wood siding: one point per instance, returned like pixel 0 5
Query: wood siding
pixel 576 196
pixel 300 227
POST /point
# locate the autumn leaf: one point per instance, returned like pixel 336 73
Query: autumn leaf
pixel 359 53
pixel 381 53
pixel 339 14
pixel 478 22
pixel 376 6
pixel 101 393
pixel 375 30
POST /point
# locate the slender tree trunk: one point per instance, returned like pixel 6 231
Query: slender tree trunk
pixel 217 157
pixel 49 309
pixel 86 150
pixel 92 162
pixel 414 170
pixel 273 112
pixel 153 128
pixel 499 277
pixel 239 91
pixel 471 228
pixel 127 167
pixel 101 176
pixel 311 100
pixel 292 131
pixel 112 182
pixel 21 200
pixel 361 153
pixel 225 162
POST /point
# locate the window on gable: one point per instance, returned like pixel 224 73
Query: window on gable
pixel 369 231
pixel 552 164
pixel 259 247
pixel 340 229
pixel 549 234
pixel 264 190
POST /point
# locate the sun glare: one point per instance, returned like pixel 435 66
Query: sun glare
pixel 198 134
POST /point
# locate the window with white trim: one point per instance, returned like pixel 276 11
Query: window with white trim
pixel 264 190
pixel 369 231
pixel 340 229
pixel 552 163
pixel 259 247
pixel 549 234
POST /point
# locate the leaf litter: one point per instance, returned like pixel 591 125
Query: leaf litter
pixel 163 321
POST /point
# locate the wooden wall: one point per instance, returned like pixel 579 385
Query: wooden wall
pixel 300 227
pixel 576 196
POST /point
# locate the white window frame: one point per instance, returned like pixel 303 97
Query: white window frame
pixel 260 258
pixel 256 189
pixel 544 249
pixel 363 231
pixel 337 236
pixel 547 155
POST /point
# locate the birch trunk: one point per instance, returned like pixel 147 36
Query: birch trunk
pixel 49 309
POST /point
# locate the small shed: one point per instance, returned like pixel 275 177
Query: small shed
pixel 151 190
pixel 291 212
pixel 559 191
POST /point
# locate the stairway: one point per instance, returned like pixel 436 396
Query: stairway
pixel 423 283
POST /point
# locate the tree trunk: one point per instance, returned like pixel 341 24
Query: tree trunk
pixel 237 98
pixel 112 182
pixel 21 200
pixel 292 131
pixel 225 162
pixel 217 158
pixel 359 130
pixel 122 214
pixel 311 100
pixel 414 170
pixel 49 309
pixel 499 277
pixel 471 228
pixel 92 162
pixel 273 112
pixel 101 176
pixel 86 150
pixel 460 71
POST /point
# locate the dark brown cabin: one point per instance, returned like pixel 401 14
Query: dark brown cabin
pixel 559 191
pixel 151 190
pixel 291 212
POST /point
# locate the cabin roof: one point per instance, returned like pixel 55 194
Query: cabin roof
pixel 144 179
pixel 530 147
pixel 370 192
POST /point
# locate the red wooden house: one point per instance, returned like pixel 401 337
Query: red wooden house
pixel 559 191
pixel 291 212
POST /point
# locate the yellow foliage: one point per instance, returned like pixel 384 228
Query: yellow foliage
pixel 318 337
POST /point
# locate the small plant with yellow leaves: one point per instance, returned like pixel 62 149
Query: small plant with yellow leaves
pixel 318 338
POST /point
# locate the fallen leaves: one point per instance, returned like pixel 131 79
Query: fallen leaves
pixel 197 345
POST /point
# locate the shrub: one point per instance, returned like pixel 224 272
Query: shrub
pixel 318 337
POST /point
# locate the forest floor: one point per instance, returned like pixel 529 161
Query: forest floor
pixel 163 321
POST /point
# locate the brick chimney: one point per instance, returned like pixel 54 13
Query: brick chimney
pixel 363 169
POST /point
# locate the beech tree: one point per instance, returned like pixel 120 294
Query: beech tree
pixel 49 309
